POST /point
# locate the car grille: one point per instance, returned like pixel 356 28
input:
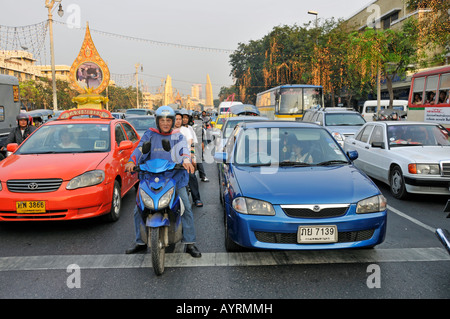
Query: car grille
pixel 445 168
pixel 291 238
pixel 33 185
pixel 315 211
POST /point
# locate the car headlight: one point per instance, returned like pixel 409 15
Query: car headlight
pixel 146 199
pixel 165 199
pixel 251 206
pixel 338 136
pixel 371 205
pixel 424 169
pixel 90 178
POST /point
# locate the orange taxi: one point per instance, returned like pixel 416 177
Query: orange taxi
pixel 70 168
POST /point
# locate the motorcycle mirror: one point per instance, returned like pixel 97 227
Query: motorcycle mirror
pixel 146 147
pixel 166 145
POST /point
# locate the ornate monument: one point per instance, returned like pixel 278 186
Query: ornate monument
pixel 209 94
pixel 89 75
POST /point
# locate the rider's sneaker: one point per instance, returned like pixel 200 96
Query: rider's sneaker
pixel 205 179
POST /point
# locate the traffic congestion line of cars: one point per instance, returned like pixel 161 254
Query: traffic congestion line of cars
pixel 69 168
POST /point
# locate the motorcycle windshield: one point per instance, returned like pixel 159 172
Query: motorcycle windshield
pixel 157 165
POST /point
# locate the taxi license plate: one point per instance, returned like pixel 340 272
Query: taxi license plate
pixel 317 234
pixel 30 207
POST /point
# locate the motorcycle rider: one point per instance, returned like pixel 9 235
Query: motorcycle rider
pixel 22 131
pixel 165 120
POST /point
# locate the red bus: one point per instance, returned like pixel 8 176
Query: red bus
pixel 429 96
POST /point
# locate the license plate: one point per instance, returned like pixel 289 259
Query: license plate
pixel 317 234
pixel 30 207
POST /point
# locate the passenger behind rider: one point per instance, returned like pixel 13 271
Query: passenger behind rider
pixel 165 121
pixel 189 134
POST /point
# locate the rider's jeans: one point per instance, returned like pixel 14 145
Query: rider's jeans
pixel 187 220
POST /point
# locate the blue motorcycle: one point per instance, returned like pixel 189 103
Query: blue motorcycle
pixel 159 205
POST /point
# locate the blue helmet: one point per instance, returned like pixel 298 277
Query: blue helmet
pixel 164 112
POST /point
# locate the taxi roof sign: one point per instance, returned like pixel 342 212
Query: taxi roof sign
pixel 103 114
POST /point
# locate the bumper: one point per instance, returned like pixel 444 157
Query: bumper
pixel 60 205
pixel 280 231
pixel 439 186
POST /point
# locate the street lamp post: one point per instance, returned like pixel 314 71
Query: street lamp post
pixel 49 5
pixel 315 13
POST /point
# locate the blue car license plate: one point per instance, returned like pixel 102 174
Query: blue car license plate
pixel 317 234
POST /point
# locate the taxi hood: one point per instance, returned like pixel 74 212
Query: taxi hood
pixel 39 166
pixel 305 185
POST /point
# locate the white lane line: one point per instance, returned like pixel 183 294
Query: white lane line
pixel 415 221
pixel 226 259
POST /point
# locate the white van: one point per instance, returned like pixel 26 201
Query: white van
pixel 370 107
pixel 224 107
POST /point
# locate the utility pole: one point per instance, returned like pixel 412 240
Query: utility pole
pixel 49 5
pixel 137 65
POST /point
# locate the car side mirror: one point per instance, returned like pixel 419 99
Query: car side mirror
pixel 12 147
pixel 124 145
pixel 220 157
pixel 352 155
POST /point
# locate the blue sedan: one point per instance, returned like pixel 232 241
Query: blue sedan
pixel 290 186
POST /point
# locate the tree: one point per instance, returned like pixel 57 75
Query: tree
pixel 392 52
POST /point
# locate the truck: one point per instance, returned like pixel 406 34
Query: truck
pixel 9 108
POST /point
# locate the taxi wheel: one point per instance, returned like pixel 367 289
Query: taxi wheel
pixel 116 204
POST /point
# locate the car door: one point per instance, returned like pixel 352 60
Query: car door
pixel 361 145
pixel 123 156
pixel 377 163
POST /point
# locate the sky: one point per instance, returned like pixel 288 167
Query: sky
pixel 165 37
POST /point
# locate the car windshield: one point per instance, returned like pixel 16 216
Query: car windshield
pixel 141 124
pixel 220 120
pixel 68 138
pixel 228 128
pixel 137 112
pixel 288 147
pixel 416 135
pixel 342 119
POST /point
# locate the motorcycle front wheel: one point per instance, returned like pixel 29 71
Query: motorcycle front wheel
pixel 155 238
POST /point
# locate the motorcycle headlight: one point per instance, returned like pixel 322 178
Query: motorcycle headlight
pixel 251 206
pixel 424 169
pixel 165 199
pixel 90 178
pixel 371 205
pixel 146 199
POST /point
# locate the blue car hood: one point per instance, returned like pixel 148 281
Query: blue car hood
pixel 305 185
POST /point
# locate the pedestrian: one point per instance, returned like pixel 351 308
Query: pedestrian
pixel 165 121
pixel 22 131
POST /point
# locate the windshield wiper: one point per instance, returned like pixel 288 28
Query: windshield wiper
pixel 262 164
pixel 332 162
pixel 295 164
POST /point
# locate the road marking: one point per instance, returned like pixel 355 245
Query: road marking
pixel 415 221
pixel 263 258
